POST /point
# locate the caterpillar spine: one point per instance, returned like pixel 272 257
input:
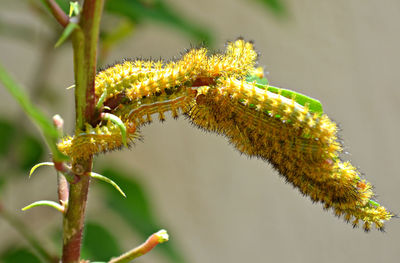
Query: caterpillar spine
pixel 285 128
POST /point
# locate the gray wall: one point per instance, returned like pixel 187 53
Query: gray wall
pixel 220 206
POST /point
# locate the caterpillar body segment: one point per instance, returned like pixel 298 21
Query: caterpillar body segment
pixel 141 111
pixel 144 78
pixel 300 144
pixel 216 93
pixel 96 140
pixel 135 90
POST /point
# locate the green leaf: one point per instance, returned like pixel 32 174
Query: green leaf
pixel 313 104
pixel 136 209
pixel 49 131
pixel 157 10
pixel 372 202
pixel 258 80
pixel 276 6
pixel 66 33
pixel 74 9
pixel 99 243
pixel 19 255
pixel 7 136
pixel 29 150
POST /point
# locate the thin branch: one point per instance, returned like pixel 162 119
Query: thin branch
pixel 57 12
pixel 62 189
pixel 62 183
pixel 155 239
pixel 75 216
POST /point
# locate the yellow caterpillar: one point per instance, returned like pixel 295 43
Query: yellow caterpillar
pixel 282 127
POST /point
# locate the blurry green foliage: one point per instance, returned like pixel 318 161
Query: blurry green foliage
pixel 136 209
pixel 19 147
pixel 139 11
pixel 157 10
pixel 19 255
pixel 7 136
pixel 45 125
pixel 30 151
pixel 2 182
pixel 99 243
pixel 276 6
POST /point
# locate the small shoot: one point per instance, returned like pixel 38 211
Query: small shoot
pixel 107 180
pixel 117 121
pixel 66 33
pixel 53 204
pixel 162 236
pixel 39 165
pixel 74 9
pixel 101 99
pixel 155 239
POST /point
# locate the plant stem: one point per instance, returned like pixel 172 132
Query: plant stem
pixel 57 12
pixel 155 239
pixel 62 189
pixel 84 41
pixel 74 218
pixel 90 24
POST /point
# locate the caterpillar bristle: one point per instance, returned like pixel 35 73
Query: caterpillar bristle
pixel 212 91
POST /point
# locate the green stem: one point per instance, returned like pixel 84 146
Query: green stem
pixel 85 60
pixel 78 39
pixel 90 24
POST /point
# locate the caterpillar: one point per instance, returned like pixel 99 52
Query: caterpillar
pixel 226 94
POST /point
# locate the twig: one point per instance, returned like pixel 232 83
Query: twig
pixel 155 239
pixel 57 12
pixel 62 183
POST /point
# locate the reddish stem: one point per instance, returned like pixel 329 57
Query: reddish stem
pixel 74 218
pixel 58 13
pixel 90 26
pixel 155 239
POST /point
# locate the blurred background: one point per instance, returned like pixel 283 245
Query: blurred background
pixel 217 205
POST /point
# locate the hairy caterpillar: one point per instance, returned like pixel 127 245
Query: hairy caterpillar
pixel 219 93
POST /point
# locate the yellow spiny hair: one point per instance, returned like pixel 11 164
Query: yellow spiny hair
pixel 143 78
pixel 139 89
pixel 95 140
pixel 213 92
pixel 301 145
